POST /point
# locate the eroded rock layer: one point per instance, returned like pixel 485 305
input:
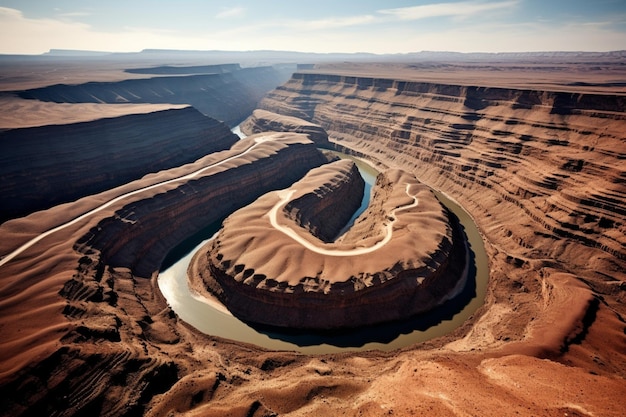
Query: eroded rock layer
pixel 265 121
pixel 41 167
pixel 553 156
pixel 142 232
pixel 402 259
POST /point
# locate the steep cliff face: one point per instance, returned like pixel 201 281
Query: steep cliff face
pixel 542 174
pixel 144 231
pixel 45 166
pixel 228 96
pixel 325 210
pixel 554 158
pixel 265 121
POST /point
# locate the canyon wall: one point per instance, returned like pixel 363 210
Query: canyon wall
pixel 229 96
pixel 41 167
pixel 553 157
pixel 541 173
pixel 142 232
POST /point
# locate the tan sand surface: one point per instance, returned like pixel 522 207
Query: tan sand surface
pixel 16 112
pixel 411 229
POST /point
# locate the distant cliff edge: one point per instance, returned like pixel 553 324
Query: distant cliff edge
pixel 44 166
pixel 228 95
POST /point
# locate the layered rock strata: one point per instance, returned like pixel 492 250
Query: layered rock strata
pixel 401 258
pixel 228 96
pixel 41 167
pixel 142 232
pixel 265 121
pixel 554 157
pixel 542 174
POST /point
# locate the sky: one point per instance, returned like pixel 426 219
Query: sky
pixel 390 26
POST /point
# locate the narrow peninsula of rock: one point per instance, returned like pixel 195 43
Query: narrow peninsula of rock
pixel 404 257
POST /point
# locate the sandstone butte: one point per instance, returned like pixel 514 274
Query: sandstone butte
pixel 538 162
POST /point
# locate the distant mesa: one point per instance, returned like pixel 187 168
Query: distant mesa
pixel 75 53
pixel 185 70
pixel 271 264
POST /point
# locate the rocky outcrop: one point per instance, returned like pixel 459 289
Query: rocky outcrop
pixel 144 231
pixel 326 209
pixel 405 258
pixel 44 166
pixel 265 121
pixel 228 96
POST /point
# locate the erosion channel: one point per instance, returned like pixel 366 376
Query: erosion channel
pixel 211 317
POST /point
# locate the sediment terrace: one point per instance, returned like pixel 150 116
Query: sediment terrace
pixel 41 167
pixel 399 259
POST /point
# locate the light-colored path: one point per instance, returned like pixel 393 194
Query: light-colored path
pixel 33 241
pixel 285 196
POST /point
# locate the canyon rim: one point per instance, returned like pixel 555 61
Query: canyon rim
pixel 532 147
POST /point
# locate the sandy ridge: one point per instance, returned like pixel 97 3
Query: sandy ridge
pixel 285 195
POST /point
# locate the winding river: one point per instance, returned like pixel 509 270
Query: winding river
pixel 210 317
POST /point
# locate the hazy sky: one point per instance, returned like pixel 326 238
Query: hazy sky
pixel 391 26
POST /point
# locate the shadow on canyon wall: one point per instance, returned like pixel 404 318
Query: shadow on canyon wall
pixel 41 167
pixel 229 95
